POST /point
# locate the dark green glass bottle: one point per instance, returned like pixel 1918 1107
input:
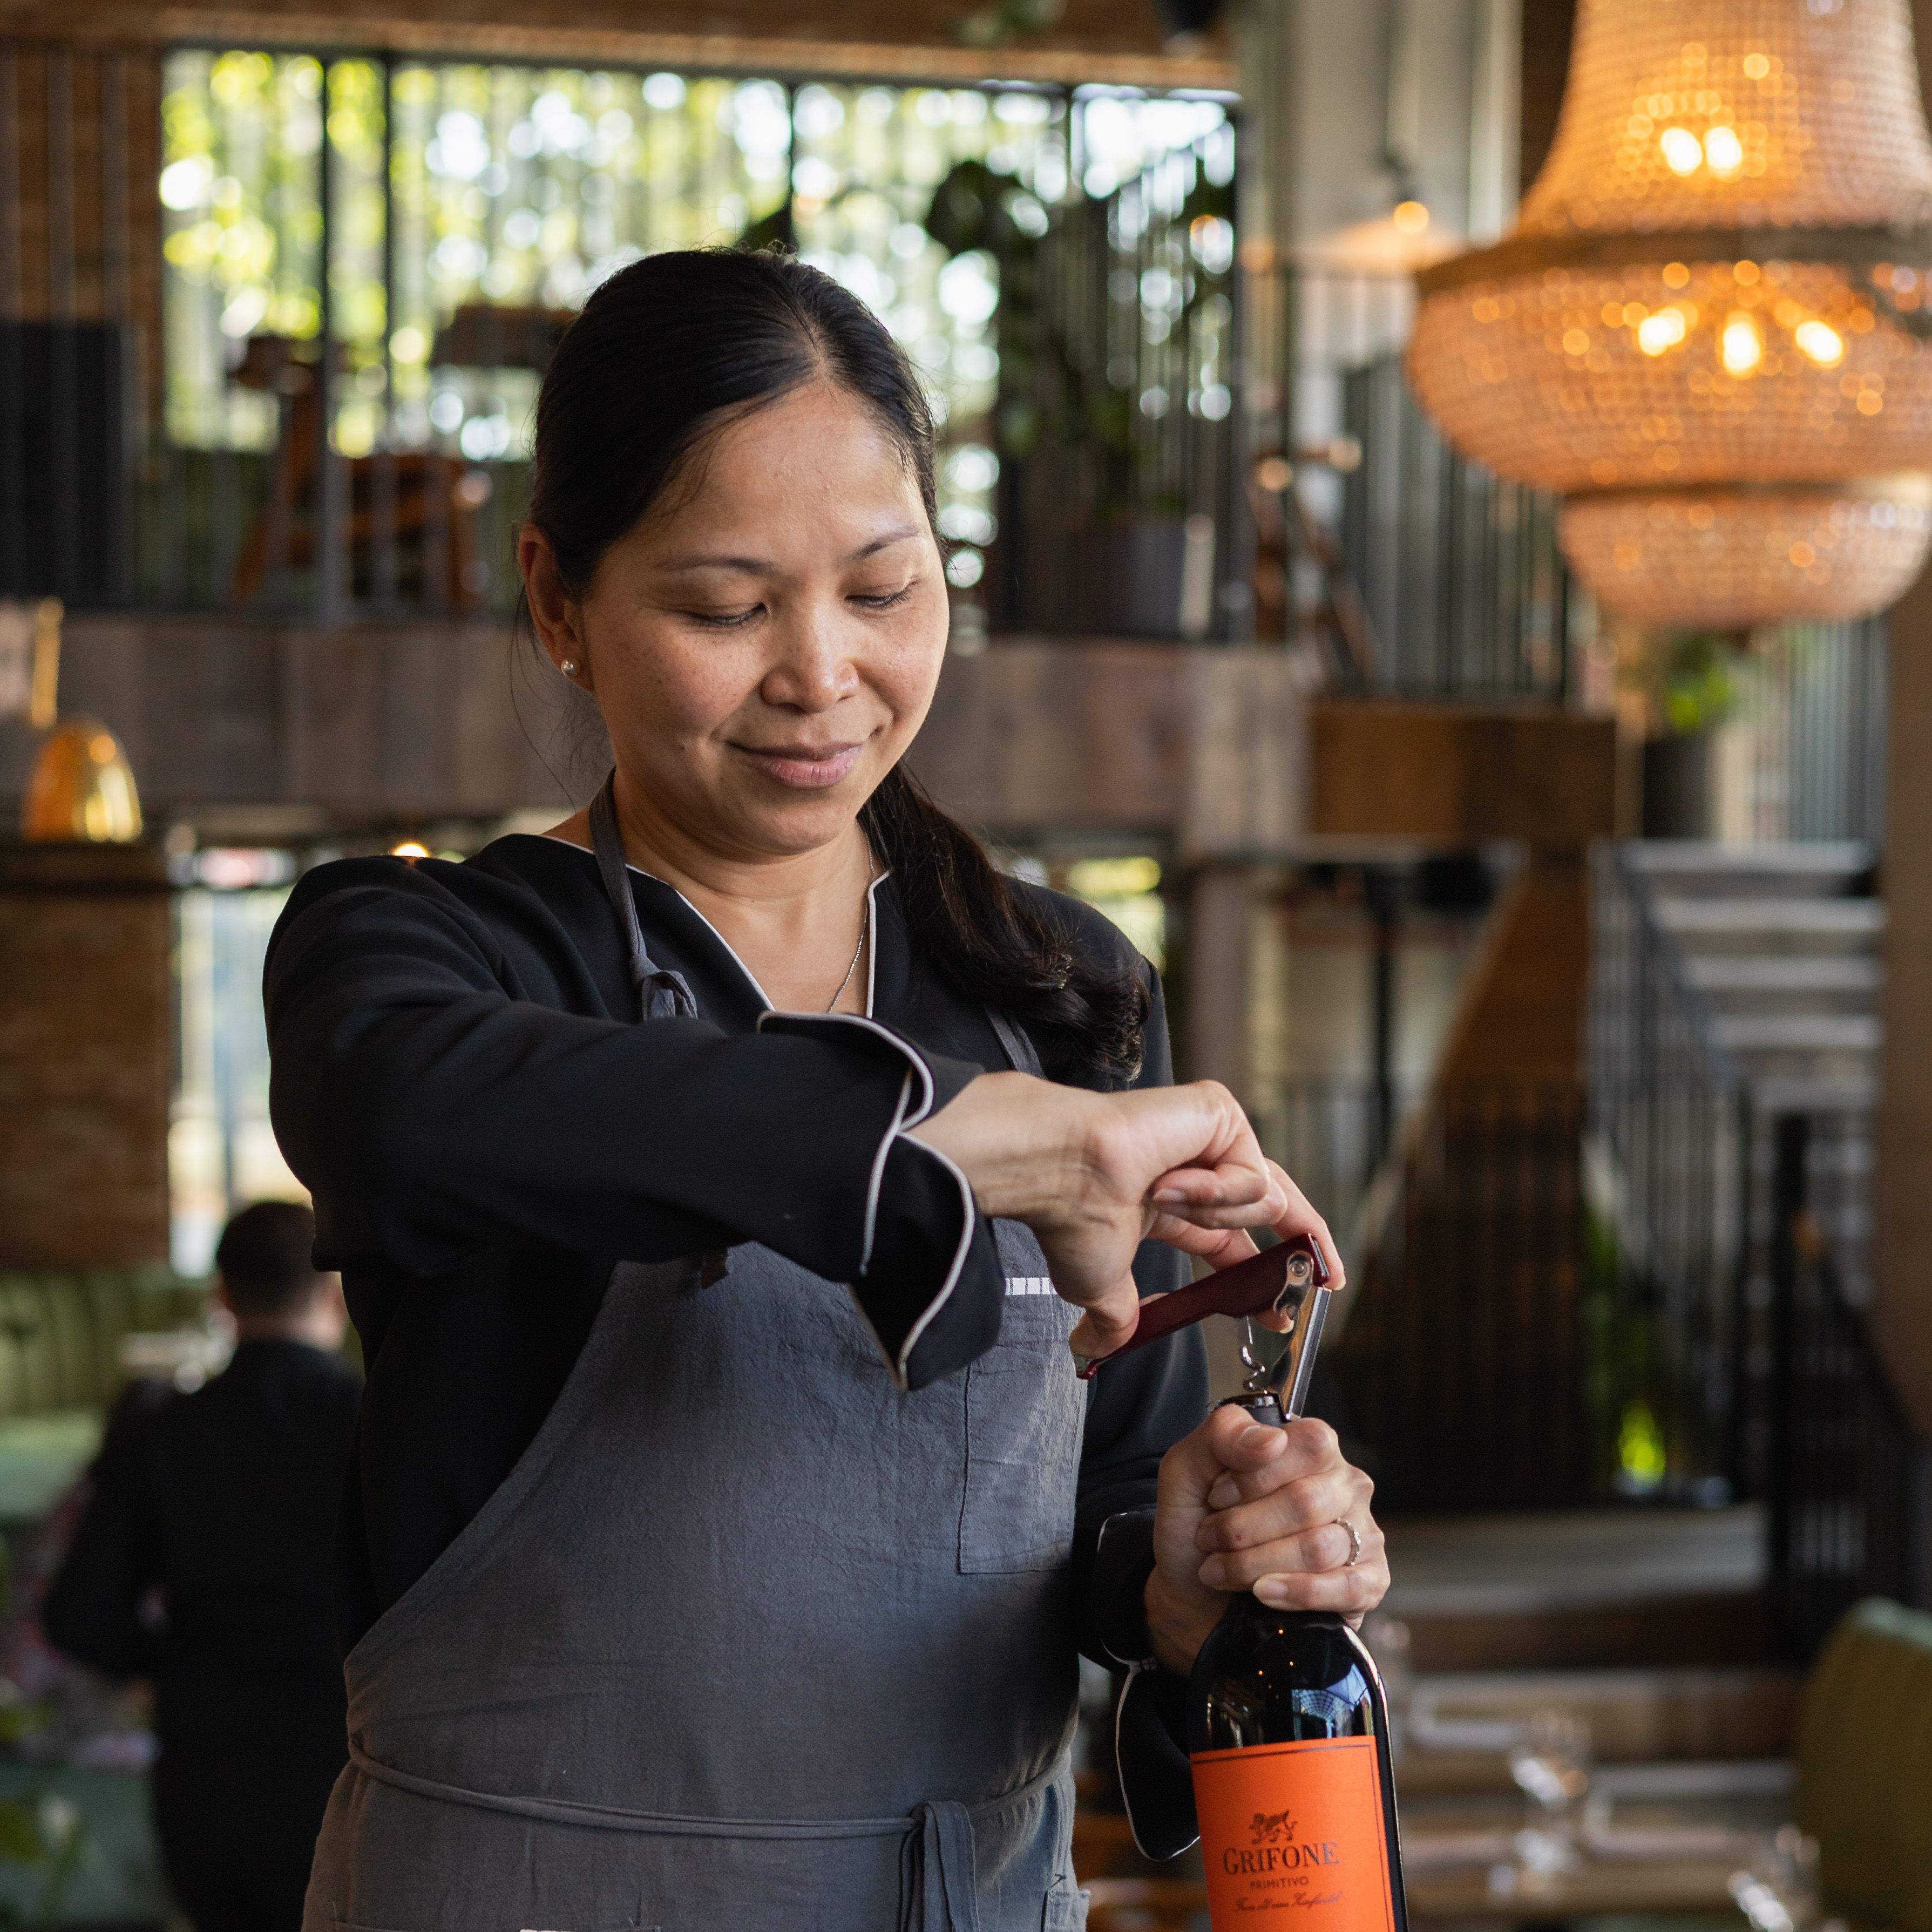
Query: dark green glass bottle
pixel 1293 1781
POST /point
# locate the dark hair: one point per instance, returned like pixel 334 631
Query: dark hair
pixel 665 352
pixel 266 1258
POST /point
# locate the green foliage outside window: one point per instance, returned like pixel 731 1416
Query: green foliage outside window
pixel 457 187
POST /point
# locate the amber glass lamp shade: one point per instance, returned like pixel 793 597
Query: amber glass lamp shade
pixel 1711 329
pixel 81 788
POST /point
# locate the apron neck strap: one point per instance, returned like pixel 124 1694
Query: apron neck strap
pixel 1020 1049
pixel 661 995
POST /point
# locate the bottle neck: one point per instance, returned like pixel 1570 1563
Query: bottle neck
pixel 1264 1407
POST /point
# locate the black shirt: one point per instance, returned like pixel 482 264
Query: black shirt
pixel 220 1512
pixel 459 1077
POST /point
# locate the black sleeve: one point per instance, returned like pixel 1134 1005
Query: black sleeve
pixel 93 1608
pixel 1138 1409
pixel 433 1113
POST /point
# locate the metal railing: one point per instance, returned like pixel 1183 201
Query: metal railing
pixel 1333 1134
pixel 1668 1153
pixel 1850 1479
pixel 1464 1361
pixel 1465 591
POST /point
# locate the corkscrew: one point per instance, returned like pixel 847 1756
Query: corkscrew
pixel 1292 1278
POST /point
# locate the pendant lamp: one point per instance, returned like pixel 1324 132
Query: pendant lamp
pixel 1711 329
pixel 80 788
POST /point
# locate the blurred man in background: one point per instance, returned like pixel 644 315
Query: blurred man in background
pixel 206 1562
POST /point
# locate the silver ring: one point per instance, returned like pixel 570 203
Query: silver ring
pixel 1354 1541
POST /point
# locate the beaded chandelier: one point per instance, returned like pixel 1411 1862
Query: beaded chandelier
pixel 1711 329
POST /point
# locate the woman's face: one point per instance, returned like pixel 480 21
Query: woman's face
pixel 764 644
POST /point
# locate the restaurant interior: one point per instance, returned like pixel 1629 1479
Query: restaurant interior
pixel 1435 553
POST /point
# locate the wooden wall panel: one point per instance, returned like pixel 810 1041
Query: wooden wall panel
pixel 1458 772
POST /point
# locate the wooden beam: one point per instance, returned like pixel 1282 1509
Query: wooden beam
pixel 1203 747
pixel 1463 773
pixel 1099 44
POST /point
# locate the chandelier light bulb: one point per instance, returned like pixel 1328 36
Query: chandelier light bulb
pixel 1821 342
pixel 1723 151
pixel 1741 346
pixel 1664 330
pixel 1711 331
pixel 1683 152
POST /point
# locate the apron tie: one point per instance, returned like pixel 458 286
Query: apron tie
pixel 661 995
pixel 937 1881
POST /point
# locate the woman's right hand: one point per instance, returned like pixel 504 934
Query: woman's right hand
pixel 1089 1173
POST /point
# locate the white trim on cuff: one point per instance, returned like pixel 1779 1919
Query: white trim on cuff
pixel 905 1117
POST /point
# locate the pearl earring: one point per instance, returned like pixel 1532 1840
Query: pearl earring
pixel 569 667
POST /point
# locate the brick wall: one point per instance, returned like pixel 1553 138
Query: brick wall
pixel 86 1051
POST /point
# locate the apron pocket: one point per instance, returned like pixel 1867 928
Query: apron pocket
pixel 1066 1908
pixel 1025 1410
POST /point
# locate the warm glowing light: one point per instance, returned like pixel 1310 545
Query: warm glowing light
pixel 1682 150
pixel 1740 346
pixel 409 849
pixel 1821 342
pixel 1273 474
pixel 1734 400
pixel 1410 217
pixel 1723 150
pixel 1664 330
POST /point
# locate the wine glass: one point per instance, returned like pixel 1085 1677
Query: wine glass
pixel 1779 1892
pixel 1551 1767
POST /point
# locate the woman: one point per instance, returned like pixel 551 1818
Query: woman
pixel 685 1586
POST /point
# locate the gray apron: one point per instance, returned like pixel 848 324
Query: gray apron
pixel 747 1638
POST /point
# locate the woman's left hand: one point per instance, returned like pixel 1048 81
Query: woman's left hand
pixel 1243 1506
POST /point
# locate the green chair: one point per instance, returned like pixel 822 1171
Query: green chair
pixel 1864 1767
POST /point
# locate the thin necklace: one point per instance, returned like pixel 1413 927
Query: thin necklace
pixel 865 927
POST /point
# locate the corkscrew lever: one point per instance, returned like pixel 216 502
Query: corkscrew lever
pixel 1280 1279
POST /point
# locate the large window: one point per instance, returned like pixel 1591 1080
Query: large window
pixel 424 219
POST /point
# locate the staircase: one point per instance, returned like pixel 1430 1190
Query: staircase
pixel 1782 941
pixel 1781 944
pixel 1731 989
pixel 1735 986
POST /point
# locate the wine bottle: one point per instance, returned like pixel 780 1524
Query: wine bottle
pixel 1294 1786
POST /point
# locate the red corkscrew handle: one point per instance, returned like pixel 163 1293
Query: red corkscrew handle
pixel 1263 1282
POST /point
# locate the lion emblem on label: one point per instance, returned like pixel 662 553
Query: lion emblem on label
pixel 1273 1828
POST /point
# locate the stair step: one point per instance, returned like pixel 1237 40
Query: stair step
pixel 1825 871
pixel 1569 1589
pixel 1723 973
pixel 1788 1093
pixel 1656 1722
pixel 1713 1631
pixel 1859 918
pixel 1821 858
pixel 1801 1033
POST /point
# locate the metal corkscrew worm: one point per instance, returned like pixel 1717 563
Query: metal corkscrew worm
pixel 1291 1278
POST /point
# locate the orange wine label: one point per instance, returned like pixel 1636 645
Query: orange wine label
pixel 1295 1834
